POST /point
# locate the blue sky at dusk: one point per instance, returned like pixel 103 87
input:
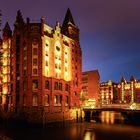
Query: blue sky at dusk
pixel 109 30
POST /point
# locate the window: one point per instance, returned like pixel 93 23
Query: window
pixel 34 71
pixel 46 100
pixel 55 99
pixel 34 61
pixel 76 83
pixel 35 85
pixel 34 51
pixel 47 85
pixel 60 86
pixel 66 101
pixel 75 93
pixel 66 69
pixel 56 86
pixel 57 48
pixel 66 87
pixel 58 100
pixel 35 98
pixel 46 54
pixel 46 63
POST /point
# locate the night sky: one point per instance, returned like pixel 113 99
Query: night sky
pixel 109 30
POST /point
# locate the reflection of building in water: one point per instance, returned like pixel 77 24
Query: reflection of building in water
pixel 107 117
pixel 89 135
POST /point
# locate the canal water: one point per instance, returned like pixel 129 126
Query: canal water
pixel 108 126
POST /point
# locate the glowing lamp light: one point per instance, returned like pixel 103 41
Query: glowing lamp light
pixel 133 106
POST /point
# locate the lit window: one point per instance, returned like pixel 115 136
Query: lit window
pixel 55 99
pixel 58 100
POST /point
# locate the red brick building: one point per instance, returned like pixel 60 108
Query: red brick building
pixel 45 69
pixel 129 91
pixel 122 92
pixel 109 93
pixel 91 84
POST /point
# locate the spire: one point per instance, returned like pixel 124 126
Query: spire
pixel 7 32
pixel 72 32
pixel 68 18
pixel 132 78
pixel 19 20
pixel 123 80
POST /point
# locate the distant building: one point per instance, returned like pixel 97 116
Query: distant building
pixel 42 69
pixel 109 93
pixel 90 84
pixel 123 92
pixel 129 91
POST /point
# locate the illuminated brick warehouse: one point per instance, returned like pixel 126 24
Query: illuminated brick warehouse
pixel 41 70
pixel 129 91
pixel 123 92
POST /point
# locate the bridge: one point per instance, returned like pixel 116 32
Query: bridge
pixel 128 111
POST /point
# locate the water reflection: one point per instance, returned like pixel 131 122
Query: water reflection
pixel 89 135
pixel 110 117
pixel 106 129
